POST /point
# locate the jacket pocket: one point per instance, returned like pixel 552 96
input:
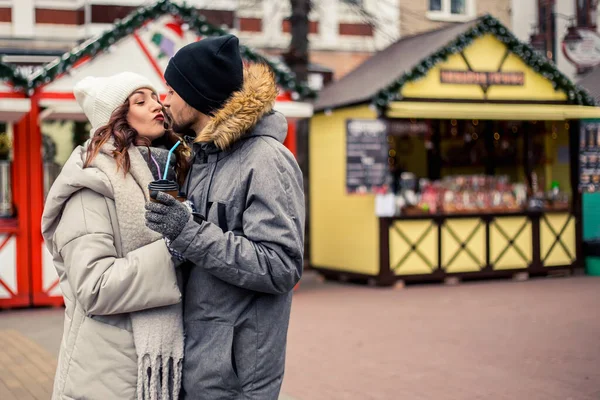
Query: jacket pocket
pixel 103 364
pixel 208 363
pixel 217 214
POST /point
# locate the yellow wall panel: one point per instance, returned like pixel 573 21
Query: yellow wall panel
pixel 344 230
pixel 405 261
pixel 536 87
pixel 485 54
pixel 453 258
pixel 430 86
pixel 555 255
pixel 511 259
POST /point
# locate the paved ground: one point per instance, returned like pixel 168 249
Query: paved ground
pixel 487 340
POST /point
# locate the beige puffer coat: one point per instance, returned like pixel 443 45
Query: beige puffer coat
pixel 101 285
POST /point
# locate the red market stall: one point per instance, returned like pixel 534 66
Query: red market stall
pixel 15 214
pixel 143 42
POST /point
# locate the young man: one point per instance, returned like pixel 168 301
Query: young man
pixel 244 240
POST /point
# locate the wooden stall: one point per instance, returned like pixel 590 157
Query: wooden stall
pixel 15 203
pixel 454 153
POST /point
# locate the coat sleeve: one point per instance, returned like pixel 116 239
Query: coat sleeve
pixel 103 283
pixel 269 256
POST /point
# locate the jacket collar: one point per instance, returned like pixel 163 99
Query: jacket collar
pixel 243 110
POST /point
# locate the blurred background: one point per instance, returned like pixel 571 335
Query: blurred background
pixel 451 160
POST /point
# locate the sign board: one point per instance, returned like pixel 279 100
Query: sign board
pixel 583 51
pixel 404 127
pixel 485 78
pixel 589 156
pixel 366 155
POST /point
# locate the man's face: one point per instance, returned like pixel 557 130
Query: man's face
pixel 183 116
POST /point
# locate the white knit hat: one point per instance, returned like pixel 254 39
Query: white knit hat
pixel 100 96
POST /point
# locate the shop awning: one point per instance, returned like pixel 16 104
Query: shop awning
pixel 513 112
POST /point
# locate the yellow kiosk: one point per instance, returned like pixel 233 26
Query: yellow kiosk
pixel 457 152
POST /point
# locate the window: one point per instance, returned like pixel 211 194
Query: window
pixel 544 39
pixel 435 5
pixel 586 13
pixel 451 10
pixel 457 7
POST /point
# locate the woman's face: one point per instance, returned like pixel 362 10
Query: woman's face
pixel 145 114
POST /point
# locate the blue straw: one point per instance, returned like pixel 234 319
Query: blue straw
pixel 169 159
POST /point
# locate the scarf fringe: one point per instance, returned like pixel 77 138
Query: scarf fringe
pixel 152 385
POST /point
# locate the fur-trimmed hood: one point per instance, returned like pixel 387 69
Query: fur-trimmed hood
pixel 245 110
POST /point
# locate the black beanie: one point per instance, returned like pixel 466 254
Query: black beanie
pixel 207 72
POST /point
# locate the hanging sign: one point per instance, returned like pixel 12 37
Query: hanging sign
pixel 582 47
pixel 366 155
pixel 486 78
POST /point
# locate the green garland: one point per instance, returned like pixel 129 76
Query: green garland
pixel 10 74
pixel 487 24
pixel 189 15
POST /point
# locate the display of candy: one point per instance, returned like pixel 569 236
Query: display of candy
pixel 478 194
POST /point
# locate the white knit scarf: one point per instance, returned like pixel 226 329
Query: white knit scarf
pixel 158 332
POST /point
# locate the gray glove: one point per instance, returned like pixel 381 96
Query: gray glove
pixel 167 217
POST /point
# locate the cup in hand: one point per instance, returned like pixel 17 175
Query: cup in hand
pixel 169 187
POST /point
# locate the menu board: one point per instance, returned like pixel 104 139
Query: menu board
pixel 366 155
pixel 589 156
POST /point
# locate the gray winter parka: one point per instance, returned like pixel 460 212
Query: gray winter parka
pixel 246 253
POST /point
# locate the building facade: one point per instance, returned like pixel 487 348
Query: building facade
pixel 426 15
pixel 343 33
pixel 546 23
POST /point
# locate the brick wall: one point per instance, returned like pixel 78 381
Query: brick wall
pixel 413 17
pixel 339 61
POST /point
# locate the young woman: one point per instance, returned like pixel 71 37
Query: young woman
pixel 123 333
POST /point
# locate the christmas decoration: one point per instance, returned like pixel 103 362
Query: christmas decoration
pixel 487 25
pixel 189 16
pixel 166 42
pixel 10 75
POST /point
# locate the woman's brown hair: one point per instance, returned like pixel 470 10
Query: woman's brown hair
pixel 124 136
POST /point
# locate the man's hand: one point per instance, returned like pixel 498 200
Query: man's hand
pixel 167 217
